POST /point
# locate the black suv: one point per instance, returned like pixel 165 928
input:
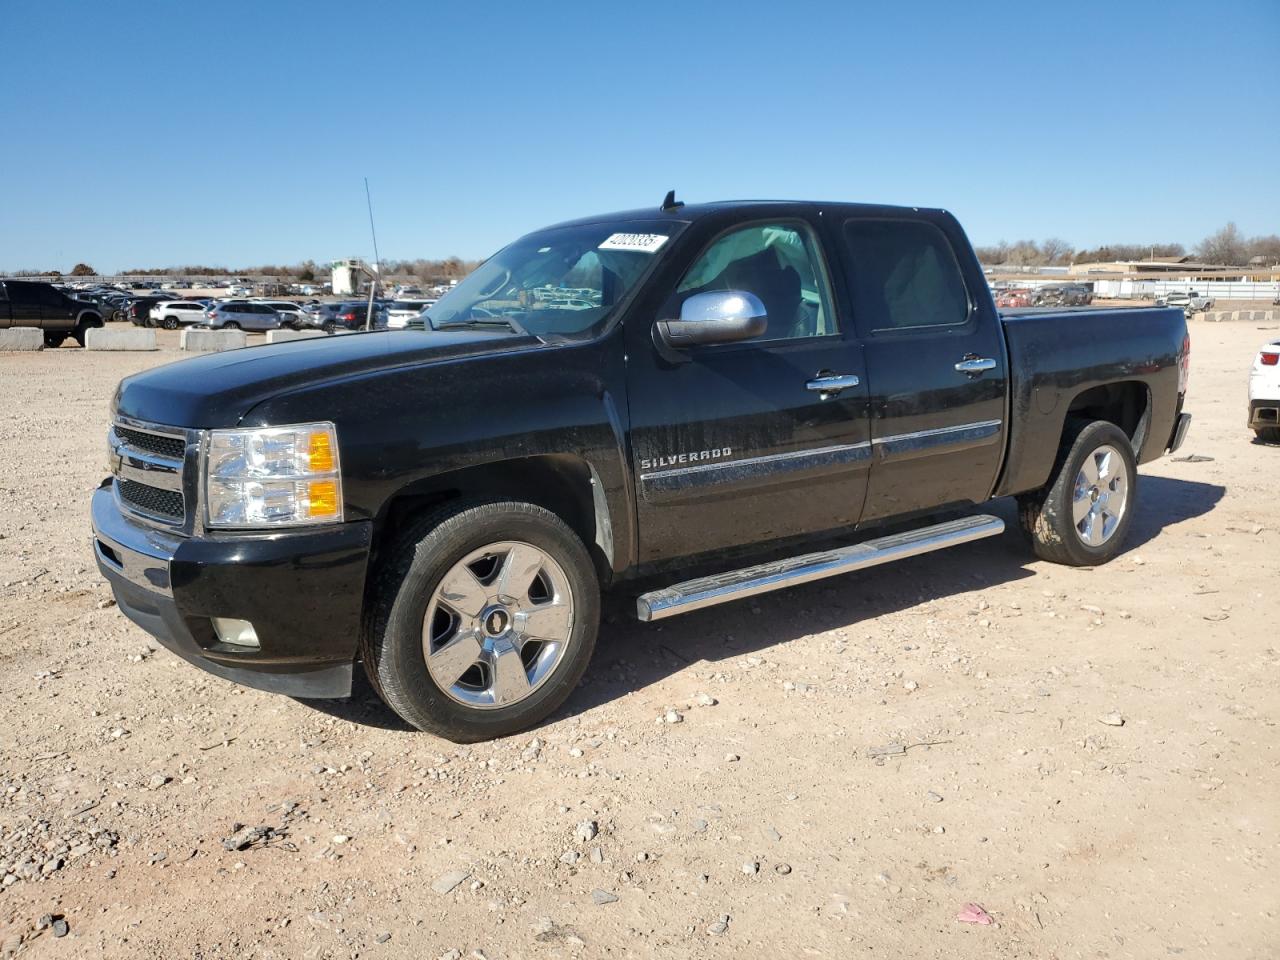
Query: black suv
pixel 25 303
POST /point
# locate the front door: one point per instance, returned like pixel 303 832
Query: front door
pixel 935 358
pixel 740 444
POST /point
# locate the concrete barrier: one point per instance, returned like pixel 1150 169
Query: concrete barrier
pixel 21 338
pixel 211 341
pixel 284 336
pixel 1238 316
pixel 132 338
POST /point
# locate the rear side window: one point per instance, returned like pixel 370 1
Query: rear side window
pixel 903 274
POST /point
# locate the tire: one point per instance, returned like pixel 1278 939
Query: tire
pixel 329 327
pixel 492 537
pixel 1264 434
pixel 170 323
pixel 1074 520
pixel 82 327
pixel 230 325
pixel 54 339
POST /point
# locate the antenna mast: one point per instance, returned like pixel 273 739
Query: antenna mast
pixel 377 260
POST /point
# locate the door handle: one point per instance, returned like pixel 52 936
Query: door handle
pixel 829 386
pixel 972 364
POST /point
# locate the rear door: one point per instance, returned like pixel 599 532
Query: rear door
pixel 738 445
pixel 58 312
pixel 935 361
pixel 24 303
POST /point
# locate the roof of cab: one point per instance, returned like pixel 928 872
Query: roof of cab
pixel 689 212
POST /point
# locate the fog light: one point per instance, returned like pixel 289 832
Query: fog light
pixel 237 633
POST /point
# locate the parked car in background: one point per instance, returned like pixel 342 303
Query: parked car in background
pixel 111 305
pixel 1062 295
pixel 172 314
pixel 400 312
pixel 26 303
pixel 241 315
pixel 1014 297
pixel 1264 393
pixel 1190 302
pixel 352 315
pixel 139 310
pixel 291 314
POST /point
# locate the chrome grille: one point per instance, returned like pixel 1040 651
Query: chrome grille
pixel 149 466
pixel 172 447
pixel 152 500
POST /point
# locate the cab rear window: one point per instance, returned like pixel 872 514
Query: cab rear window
pixel 904 275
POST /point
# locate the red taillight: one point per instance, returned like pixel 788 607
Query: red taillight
pixel 1269 359
pixel 347 316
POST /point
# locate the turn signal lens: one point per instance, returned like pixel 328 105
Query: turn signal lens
pixel 321 453
pixel 322 498
pixel 272 477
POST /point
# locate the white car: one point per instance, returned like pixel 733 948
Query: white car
pixel 400 312
pixel 1264 393
pixel 1190 302
pixel 172 314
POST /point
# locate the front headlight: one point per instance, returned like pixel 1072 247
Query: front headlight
pixel 273 477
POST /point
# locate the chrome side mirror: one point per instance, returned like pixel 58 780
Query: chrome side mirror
pixel 719 316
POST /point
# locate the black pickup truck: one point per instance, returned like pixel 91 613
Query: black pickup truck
pixel 605 404
pixel 26 303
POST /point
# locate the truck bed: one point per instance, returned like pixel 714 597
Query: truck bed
pixel 1058 355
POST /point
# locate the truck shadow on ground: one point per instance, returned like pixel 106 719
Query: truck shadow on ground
pixel 631 656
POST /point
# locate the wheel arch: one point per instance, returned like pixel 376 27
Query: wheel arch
pixel 1126 403
pixel 565 484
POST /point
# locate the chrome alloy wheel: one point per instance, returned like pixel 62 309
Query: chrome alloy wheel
pixel 497 625
pixel 1100 496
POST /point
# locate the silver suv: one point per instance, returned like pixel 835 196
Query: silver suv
pixel 242 315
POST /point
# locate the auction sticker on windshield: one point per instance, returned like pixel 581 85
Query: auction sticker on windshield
pixel 635 242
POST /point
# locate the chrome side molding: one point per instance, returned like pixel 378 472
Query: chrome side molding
pixel 762 578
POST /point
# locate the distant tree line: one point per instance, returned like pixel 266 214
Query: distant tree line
pixel 450 268
pixel 1225 247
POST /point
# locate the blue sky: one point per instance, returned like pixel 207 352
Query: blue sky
pixel 149 134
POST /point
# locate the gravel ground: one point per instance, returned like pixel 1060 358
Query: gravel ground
pixel 831 771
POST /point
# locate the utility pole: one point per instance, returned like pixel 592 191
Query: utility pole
pixel 377 260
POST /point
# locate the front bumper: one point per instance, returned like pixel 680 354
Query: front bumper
pixel 302 590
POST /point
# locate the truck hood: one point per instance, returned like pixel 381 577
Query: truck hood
pixel 218 389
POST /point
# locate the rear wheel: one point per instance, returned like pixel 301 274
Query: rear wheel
pixel 231 325
pixel 483 620
pixel 1082 517
pixel 82 328
pixel 54 339
pixel 1267 434
pixel 329 327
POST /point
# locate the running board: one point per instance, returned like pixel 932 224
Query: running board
pixel 750 581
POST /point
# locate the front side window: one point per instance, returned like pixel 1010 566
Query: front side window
pixel 780 264
pixel 565 281
pixel 903 274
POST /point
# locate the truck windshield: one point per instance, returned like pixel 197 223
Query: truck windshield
pixel 560 282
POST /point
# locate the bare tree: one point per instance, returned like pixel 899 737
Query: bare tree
pixel 1227 247
pixel 1055 250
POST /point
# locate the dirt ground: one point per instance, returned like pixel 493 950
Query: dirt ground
pixel 780 817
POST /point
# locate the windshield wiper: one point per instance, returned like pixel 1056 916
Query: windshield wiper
pixel 480 324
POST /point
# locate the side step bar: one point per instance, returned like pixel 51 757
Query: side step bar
pixel 750 581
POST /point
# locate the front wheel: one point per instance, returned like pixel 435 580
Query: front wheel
pixel 483 620
pixel 1082 517
pixel 170 323
pixel 53 340
pixel 231 325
